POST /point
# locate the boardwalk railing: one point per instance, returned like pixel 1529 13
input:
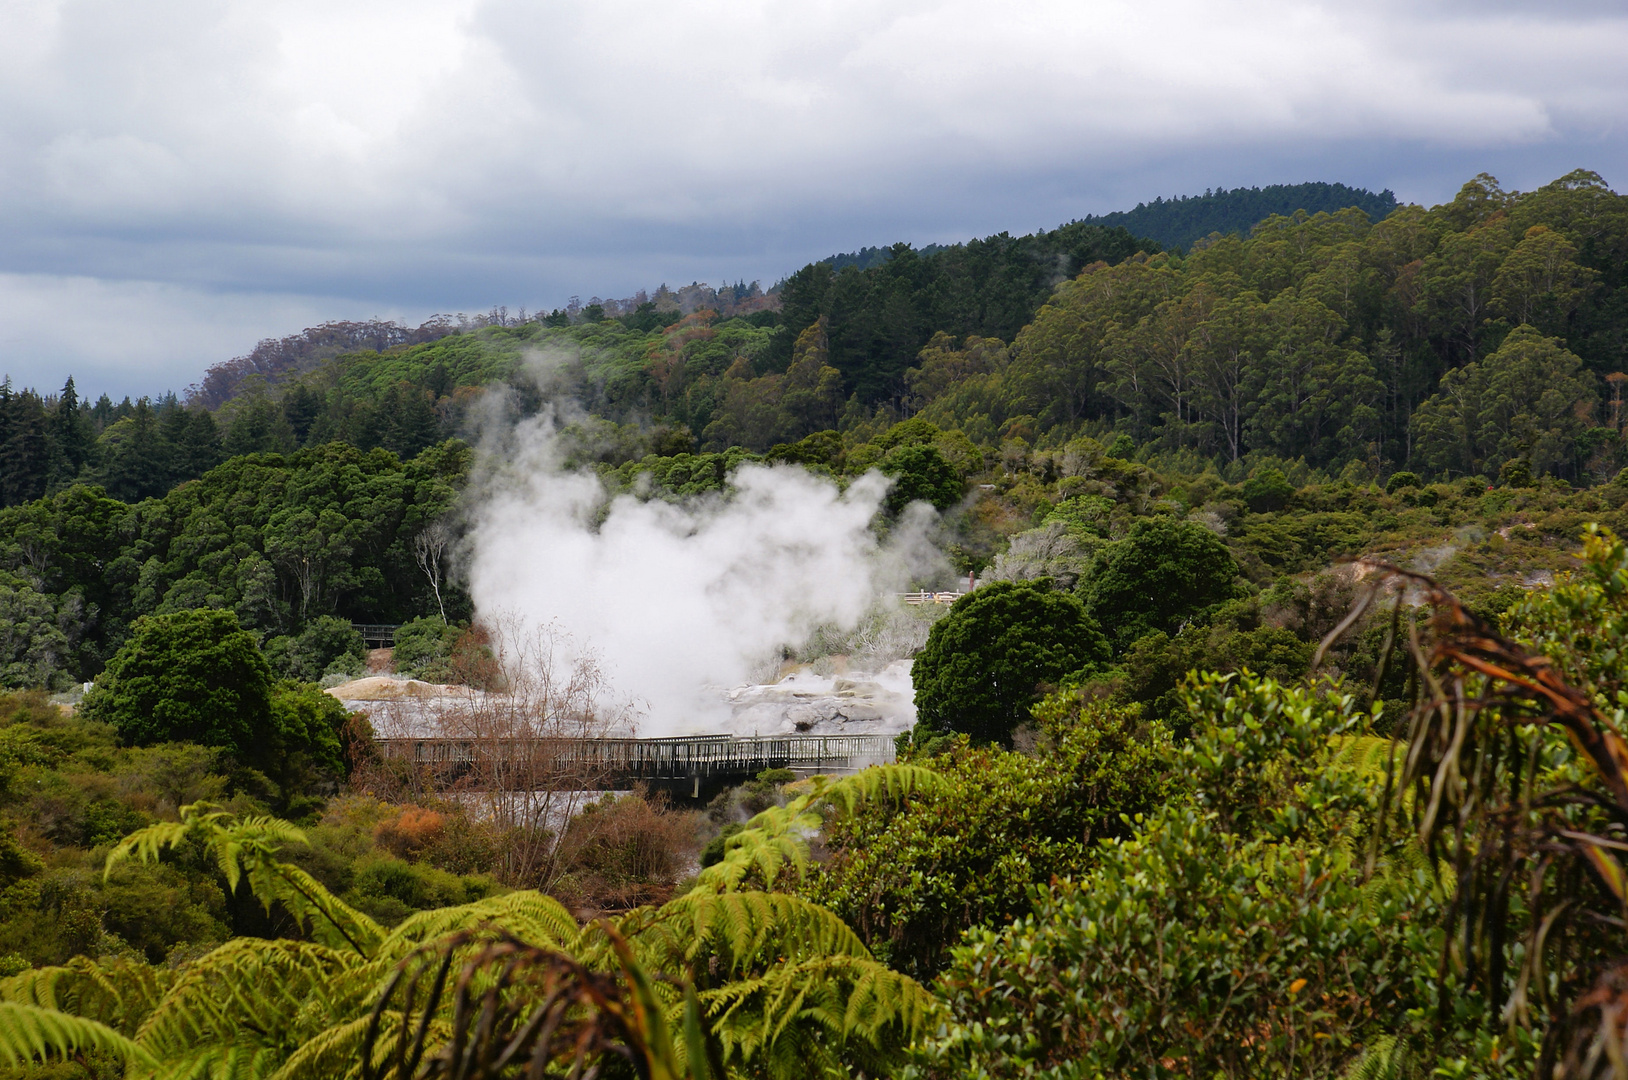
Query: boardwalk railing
pixel 931 597
pixel 692 759
pixel 376 635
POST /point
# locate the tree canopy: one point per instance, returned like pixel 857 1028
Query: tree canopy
pixel 193 676
pixel 987 662
pixel 1161 572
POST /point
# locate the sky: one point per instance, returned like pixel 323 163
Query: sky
pixel 181 178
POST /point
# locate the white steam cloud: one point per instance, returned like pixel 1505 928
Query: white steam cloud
pixel 679 601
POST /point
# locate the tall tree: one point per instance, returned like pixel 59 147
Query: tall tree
pixel 1528 400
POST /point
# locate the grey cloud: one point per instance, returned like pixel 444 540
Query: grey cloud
pixel 287 160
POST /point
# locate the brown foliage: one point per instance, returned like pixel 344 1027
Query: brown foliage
pixel 620 853
pixel 410 832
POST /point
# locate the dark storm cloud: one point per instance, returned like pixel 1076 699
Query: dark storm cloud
pixel 180 178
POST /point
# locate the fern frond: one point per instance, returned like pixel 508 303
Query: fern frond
pixel 1385 1059
pixel 534 916
pixel 768 847
pixel 1365 755
pixel 145 845
pixel 743 930
pixel 241 1058
pixel 797 1009
pixel 29 1033
pixel 335 1052
pixel 894 782
pixel 115 992
pixel 332 921
pixel 778 836
pixel 281 990
pixel 243 848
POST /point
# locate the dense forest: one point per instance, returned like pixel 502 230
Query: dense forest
pixel 1187 219
pixel 1366 818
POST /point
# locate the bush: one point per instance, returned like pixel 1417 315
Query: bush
pixel 424 647
pixel 328 645
pixel 1236 933
pixel 1400 481
pixel 193 676
pixel 985 663
pixel 920 473
pixel 911 879
pixel 306 723
pixel 1267 491
pixel 1162 573
pixel 627 851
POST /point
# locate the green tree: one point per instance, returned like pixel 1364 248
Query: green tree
pixel 1540 283
pixel 1163 572
pixel 35 650
pixel 307 724
pixel 193 676
pixel 920 473
pixel 986 663
pixel 326 644
pixel 911 878
pixel 1527 400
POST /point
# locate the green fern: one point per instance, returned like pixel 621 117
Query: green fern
pixel 778 836
pixel 29 1033
pixel 243 849
pixel 116 992
pixel 1385 1059
pixel 789 985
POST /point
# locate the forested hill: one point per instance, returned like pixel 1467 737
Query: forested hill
pixel 1182 221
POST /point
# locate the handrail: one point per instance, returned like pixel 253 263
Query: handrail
pixel 684 756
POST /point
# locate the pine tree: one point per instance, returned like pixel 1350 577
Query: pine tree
pixel 73 438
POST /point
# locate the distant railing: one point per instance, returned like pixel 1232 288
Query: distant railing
pixel 377 635
pixel 931 597
pixel 694 759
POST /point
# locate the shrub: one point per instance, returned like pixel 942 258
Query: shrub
pixel 1162 573
pixel 193 676
pixel 911 879
pixel 1400 481
pixel 627 851
pixel 424 647
pixel 1267 491
pixel 985 663
pixel 308 722
pixel 1235 935
pixel 920 473
pixel 327 646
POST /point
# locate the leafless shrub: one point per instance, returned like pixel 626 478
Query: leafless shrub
pixel 513 756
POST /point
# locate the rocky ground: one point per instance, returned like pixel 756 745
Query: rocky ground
pixel 801 702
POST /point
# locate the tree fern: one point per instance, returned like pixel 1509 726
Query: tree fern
pixel 116 992
pixel 739 931
pixel 779 835
pixel 783 982
pixel 792 1017
pixel 243 849
pixel 30 1033
pixel 279 990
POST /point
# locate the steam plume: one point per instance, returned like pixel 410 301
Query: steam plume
pixel 678 600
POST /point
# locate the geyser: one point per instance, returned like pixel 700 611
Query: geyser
pixel 677 601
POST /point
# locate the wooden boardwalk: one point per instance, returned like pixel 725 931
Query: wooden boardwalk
pixel 693 761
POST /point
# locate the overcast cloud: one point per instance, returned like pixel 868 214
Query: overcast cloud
pixel 179 178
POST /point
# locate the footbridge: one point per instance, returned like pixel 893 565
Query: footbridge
pixel 686 765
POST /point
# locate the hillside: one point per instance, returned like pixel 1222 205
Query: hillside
pixel 1181 222
pixel 1171 712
